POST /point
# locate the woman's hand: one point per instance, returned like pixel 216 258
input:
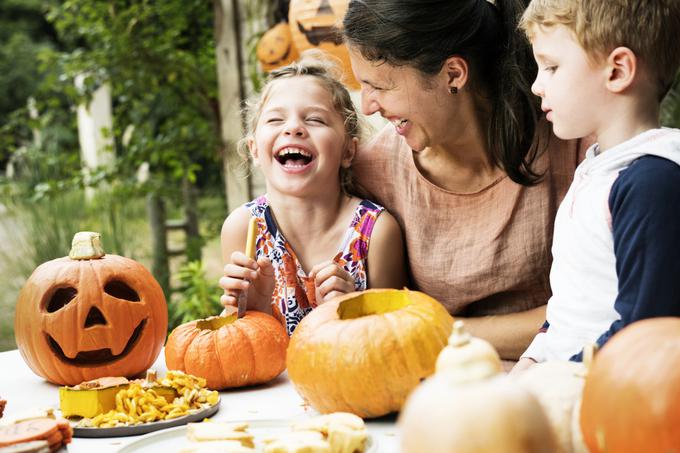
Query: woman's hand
pixel 331 280
pixel 245 274
pixel 521 365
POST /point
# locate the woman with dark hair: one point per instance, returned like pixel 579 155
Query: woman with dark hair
pixel 467 167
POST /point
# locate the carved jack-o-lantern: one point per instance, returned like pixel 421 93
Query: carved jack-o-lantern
pixel 276 48
pixel 90 315
pixel 318 24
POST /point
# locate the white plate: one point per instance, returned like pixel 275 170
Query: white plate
pixel 143 428
pixel 174 439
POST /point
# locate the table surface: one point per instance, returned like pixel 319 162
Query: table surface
pixel 25 391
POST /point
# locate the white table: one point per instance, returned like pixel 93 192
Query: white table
pixel 25 391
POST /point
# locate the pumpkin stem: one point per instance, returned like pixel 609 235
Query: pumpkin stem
pixel 459 336
pixel 86 245
pixel 588 355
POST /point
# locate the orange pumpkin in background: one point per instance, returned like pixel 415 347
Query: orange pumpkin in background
pixel 631 396
pixel 318 24
pixel 90 315
pixel 364 352
pixel 227 351
pixel 276 48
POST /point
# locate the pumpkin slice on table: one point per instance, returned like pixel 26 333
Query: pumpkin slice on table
pixel 228 351
pixel 364 352
pixel 56 433
pixel 90 315
pixel 91 398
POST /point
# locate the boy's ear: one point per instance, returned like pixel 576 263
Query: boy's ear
pixel 622 69
pixel 457 72
pixel 350 152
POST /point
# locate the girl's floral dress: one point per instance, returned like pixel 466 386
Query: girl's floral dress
pixel 294 293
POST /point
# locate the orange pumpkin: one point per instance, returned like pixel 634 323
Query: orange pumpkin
pixel 227 351
pixel 318 24
pixel 364 352
pixel 631 397
pixel 90 315
pixel 275 48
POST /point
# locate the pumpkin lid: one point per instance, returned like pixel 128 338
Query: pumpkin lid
pixel 86 245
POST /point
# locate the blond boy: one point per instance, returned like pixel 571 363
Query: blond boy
pixel 603 68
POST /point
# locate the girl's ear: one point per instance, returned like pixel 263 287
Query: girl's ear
pixel 621 69
pixel 457 72
pixel 349 153
pixel 252 147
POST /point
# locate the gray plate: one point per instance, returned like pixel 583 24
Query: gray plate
pixel 143 428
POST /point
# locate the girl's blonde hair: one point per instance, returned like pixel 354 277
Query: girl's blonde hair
pixel 647 27
pixel 327 72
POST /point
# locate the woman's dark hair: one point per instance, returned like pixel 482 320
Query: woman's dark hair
pixel 423 33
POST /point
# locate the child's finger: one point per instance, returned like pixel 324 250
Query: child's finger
pixel 240 272
pixel 265 267
pixel 228 300
pixel 233 284
pixel 333 284
pixel 240 259
pixel 332 270
pixel 319 267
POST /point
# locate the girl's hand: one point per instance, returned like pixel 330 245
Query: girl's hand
pixel 331 280
pixel 523 364
pixel 245 274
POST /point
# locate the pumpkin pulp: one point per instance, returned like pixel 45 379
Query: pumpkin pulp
pixel 377 303
pixel 215 322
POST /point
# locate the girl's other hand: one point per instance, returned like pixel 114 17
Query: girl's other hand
pixel 245 274
pixel 331 280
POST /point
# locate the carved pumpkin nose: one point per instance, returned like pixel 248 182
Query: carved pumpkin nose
pixel 95 317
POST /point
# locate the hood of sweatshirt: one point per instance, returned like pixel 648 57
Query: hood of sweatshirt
pixel 663 142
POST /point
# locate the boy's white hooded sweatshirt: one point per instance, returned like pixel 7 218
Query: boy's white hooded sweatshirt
pixel 583 276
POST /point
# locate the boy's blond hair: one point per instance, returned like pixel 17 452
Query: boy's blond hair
pixel 647 27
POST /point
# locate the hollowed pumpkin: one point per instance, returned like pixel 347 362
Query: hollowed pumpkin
pixel 318 24
pixel 228 351
pixel 364 352
pixel 90 315
pixel 631 396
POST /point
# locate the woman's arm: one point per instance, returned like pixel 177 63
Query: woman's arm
pixel 510 334
pixel 386 257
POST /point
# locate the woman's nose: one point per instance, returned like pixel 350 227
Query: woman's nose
pixel 368 104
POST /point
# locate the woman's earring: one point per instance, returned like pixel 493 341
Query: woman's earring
pixel 453 90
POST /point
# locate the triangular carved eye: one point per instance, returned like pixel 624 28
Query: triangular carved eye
pixel 121 290
pixel 60 298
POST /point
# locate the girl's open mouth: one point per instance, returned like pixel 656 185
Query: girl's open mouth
pixel 293 157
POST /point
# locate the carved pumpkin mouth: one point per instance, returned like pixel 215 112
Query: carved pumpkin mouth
pixel 98 356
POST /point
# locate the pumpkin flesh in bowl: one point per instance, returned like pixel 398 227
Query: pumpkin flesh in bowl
pixel 364 352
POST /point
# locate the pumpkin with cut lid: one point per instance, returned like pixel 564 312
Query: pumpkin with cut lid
pixel 90 315
pixel 364 352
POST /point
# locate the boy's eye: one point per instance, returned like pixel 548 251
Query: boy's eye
pixel 273 120
pixel 316 119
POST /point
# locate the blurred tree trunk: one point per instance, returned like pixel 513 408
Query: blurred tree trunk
pixel 238 25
